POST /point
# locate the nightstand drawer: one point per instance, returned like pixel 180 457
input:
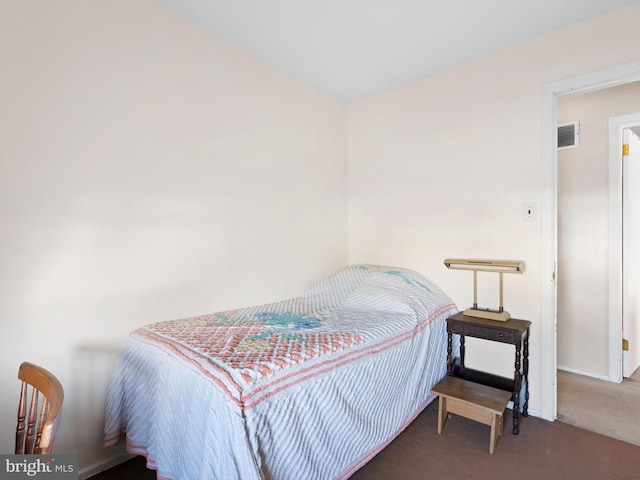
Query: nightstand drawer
pixel 480 331
pixel 500 336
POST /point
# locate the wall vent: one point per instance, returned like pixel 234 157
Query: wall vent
pixel 568 135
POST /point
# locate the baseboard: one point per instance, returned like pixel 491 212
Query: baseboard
pixel 94 469
pixel 530 411
pixel 535 413
pixel 584 374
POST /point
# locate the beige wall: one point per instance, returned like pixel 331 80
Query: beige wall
pixel 442 166
pixel 583 229
pixel 149 171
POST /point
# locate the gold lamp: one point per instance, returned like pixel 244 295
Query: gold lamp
pixel 494 266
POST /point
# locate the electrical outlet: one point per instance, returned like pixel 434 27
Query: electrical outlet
pixel 530 212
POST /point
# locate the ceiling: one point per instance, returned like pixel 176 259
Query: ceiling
pixel 355 48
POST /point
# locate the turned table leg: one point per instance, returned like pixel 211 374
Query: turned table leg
pixel 516 394
pixel 525 375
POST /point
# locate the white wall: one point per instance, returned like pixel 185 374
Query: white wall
pixel 149 171
pixel 583 229
pixel 441 168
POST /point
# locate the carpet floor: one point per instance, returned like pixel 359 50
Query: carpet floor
pixel 542 451
pixel 612 409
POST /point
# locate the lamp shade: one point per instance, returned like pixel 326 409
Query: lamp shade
pixel 498 266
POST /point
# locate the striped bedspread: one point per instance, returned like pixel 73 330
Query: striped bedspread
pixel 307 388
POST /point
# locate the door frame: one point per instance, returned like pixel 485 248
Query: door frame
pixel 610 77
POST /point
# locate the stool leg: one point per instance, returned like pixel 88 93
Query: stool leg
pixel 442 413
pixel 494 433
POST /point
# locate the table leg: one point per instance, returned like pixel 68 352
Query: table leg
pixel 449 353
pixel 525 373
pixel 517 383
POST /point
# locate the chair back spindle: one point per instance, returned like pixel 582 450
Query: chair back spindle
pixel 37 422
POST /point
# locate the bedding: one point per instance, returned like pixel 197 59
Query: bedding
pixel 309 387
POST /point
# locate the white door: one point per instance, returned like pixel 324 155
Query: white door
pixel 631 251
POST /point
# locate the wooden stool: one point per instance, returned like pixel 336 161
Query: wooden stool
pixel 474 401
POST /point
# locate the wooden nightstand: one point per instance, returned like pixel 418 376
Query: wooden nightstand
pixel 514 332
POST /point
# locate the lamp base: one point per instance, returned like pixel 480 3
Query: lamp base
pixel 498 315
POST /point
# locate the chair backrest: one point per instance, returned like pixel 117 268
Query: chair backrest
pixel 38 418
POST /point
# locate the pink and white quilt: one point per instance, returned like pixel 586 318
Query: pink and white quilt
pixel 310 387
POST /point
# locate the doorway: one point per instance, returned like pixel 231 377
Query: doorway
pixel 594 294
pixel 592 250
pixel 631 245
pixel 619 75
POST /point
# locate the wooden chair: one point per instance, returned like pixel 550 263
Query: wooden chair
pixel 38 420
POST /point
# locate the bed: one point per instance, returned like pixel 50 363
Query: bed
pixel 310 387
